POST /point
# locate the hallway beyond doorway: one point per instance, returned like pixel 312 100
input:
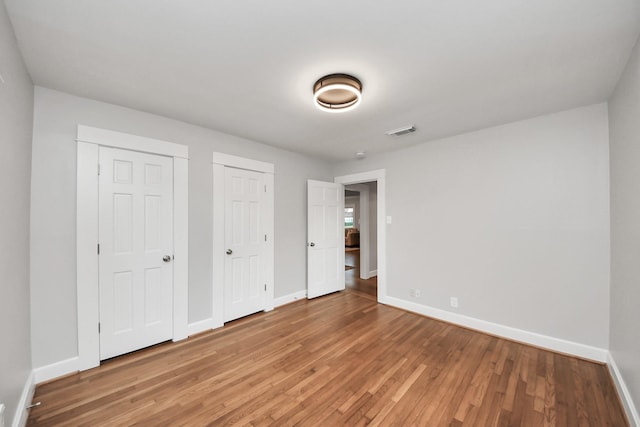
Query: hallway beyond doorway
pixel 353 281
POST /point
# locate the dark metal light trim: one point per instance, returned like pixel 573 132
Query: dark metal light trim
pixel 337 93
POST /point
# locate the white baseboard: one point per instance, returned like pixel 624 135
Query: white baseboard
pixel 55 370
pixel 623 391
pixel 201 326
pixel 286 299
pixel 532 338
pixel 22 414
pixel 368 276
pixel 71 365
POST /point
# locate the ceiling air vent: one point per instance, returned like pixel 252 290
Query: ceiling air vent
pixel 401 131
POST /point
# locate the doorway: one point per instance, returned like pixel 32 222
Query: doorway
pixel 370 242
pixel 360 231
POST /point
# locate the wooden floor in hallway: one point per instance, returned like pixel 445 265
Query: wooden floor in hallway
pixel 352 275
pixel 337 360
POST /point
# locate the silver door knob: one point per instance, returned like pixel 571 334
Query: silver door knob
pixel 312 244
pixel 166 258
pixel 229 251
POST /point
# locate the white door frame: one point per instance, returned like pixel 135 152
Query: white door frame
pixel 363 226
pixel 220 161
pixel 378 176
pixel 89 140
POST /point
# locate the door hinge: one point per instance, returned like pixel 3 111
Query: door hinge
pixel 98 168
pixel 265 287
pixel 265 188
pixel 98 248
pixel 265 237
pixel 98 327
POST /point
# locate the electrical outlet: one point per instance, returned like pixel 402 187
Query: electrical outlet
pixel 454 302
pixel 412 293
pixel 418 293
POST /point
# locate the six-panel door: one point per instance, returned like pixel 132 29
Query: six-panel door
pixel 245 286
pixel 136 249
pixel 325 234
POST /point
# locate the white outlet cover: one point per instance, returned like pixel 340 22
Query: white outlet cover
pixel 388 219
pixel 454 302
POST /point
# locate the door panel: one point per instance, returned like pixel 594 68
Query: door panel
pixel 135 233
pixel 244 289
pixel 325 232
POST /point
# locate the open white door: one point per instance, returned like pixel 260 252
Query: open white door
pixel 136 250
pixel 325 238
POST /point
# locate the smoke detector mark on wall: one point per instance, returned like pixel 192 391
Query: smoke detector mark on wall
pixel 401 131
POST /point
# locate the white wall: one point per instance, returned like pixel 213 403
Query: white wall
pixel 53 265
pixel 513 220
pixel 624 133
pixel 16 117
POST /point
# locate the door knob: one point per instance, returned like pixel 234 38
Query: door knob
pixel 312 244
pixel 166 258
pixel 229 251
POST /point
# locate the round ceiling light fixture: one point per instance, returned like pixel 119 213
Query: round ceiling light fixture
pixel 337 93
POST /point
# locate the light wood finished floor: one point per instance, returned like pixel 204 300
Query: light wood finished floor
pixel 352 276
pixel 336 360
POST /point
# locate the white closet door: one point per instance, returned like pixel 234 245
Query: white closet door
pixel 244 285
pixel 136 250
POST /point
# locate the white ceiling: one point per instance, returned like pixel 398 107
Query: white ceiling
pixel 246 67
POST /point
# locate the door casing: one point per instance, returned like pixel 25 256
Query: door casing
pixel 89 140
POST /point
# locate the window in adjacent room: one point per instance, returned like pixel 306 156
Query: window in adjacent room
pixel 349 217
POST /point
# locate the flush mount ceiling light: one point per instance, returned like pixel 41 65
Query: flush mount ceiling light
pixel 337 93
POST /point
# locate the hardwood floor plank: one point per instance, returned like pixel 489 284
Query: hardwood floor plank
pixel 341 359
